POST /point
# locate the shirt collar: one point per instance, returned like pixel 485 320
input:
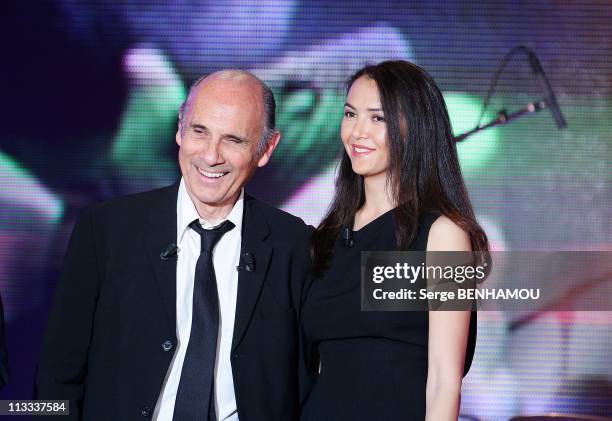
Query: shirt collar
pixel 186 213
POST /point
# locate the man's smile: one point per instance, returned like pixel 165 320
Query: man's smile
pixel 212 174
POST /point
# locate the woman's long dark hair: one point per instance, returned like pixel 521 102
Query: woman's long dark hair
pixel 423 174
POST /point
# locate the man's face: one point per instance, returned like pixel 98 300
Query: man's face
pixel 217 140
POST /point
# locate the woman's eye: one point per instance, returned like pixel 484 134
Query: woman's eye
pixel 379 119
pixel 349 114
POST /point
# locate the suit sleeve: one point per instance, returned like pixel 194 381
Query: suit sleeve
pixel 63 361
pixel 307 357
pixel 301 267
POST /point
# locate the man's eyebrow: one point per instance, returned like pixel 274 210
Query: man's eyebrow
pixel 240 139
pixel 198 126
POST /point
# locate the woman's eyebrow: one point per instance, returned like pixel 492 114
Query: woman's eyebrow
pixel 346 104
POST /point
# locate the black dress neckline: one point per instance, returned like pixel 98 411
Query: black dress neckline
pixel 373 222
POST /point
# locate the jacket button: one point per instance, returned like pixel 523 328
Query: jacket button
pixel 167 345
pixel 145 411
pixel 235 356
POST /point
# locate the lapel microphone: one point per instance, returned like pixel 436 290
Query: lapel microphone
pixel 248 260
pixel 347 237
pixel 171 250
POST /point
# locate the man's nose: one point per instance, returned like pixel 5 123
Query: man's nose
pixel 213 154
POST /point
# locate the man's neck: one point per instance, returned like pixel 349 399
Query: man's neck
pixel 214 213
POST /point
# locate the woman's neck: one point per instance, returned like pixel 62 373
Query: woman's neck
pixel 377 200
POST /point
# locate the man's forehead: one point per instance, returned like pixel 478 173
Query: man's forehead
pixel 222 92
pixel 236 113
pixel 224 107
pixel 237 85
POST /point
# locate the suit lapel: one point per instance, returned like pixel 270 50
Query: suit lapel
pixel 160 233
pixel 254 231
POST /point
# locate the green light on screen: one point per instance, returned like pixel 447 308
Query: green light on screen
pixel 476 151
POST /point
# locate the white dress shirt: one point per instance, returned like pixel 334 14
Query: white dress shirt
pixel 226 256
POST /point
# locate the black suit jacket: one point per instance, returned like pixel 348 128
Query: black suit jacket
pixel 112 330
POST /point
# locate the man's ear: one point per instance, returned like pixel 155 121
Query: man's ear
pixel 178 137
pixel 270 146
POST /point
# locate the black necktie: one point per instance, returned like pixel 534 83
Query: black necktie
pixel 194 398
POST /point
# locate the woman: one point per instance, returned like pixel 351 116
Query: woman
pixel 399 188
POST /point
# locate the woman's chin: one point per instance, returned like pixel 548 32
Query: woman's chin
pixel 368 172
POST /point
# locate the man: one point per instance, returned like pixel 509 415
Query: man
pixel 121 343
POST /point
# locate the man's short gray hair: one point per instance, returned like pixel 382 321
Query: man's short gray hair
pixel 269 104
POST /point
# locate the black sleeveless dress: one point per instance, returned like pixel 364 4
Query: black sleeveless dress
pixel 373 363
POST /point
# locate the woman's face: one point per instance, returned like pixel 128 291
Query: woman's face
pixel 364 129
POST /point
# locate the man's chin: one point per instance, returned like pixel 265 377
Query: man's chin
pixel 210 188
pixel 216 200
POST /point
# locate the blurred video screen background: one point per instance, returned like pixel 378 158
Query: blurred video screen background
pixel 91 92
